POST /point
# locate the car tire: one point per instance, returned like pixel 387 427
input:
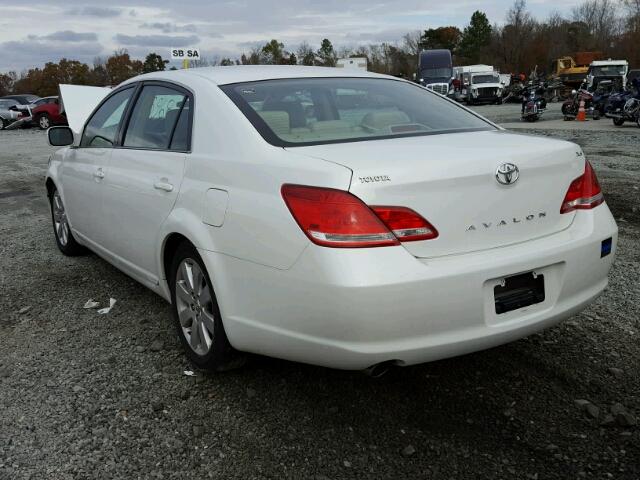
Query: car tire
pixel 3 123
pixel 195 309
pixel 65 240
pixel 44 121
pixel 618 122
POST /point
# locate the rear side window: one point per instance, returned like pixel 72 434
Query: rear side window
pixel 312 111
pixel 102 129
pixel 181 134
pixel 155 119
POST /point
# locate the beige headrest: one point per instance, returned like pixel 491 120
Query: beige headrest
pixel 277 120
pixel 382 120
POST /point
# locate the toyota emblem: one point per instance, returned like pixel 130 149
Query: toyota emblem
pixel 507 174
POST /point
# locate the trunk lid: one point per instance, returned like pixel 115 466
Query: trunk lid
pixel 78 102
pixel 450 180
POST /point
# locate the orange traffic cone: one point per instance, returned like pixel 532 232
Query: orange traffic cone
pixel 582 114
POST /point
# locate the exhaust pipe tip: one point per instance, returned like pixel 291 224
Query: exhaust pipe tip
pixel 379 369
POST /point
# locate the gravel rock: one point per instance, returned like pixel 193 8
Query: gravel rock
pixel 626 419
pixel 617 409
pixel 408 451
pixel 616 372
pixel 157 345
pixel 608 420
pixel 589 409
pixel 24 310
pixel 592 411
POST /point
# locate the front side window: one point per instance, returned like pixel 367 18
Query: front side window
pixel 312 111
pixel 102 128
pixel 154 119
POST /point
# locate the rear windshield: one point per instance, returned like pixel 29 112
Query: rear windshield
pixel 313 111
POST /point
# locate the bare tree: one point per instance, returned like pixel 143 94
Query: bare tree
pixel 306 55
pixel 516 36
pixel 633 8
pixel 601 19
pixel 411 42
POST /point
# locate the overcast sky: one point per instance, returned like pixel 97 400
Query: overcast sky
pixel 34 32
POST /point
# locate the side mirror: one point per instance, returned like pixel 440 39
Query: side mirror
pixel 60 136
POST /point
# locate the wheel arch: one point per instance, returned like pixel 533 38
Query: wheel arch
pixel 50 185
pixel 170 245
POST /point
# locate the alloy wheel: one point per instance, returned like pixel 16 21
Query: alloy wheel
pixel 194 306
pixel 44 122
pixel 60 221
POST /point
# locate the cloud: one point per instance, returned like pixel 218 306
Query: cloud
pixel 95 11
pixel 168 27
pixel 35 53
pixel 230 26
pixel 157 40
pixel 66 36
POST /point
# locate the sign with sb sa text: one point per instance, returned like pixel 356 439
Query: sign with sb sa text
pixel 185 54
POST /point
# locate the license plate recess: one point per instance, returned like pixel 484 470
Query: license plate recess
pixel 518 291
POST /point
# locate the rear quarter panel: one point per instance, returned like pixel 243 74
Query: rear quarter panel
pixel 228 154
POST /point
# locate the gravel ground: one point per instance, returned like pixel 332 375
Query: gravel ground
pixel 90 396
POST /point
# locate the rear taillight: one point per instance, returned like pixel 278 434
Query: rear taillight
pixel 406 225
pixel 584 192
pixel 335 218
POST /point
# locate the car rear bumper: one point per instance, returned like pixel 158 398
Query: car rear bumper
pixel 353 308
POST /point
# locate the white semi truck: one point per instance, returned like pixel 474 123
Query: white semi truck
pixel 614 70
pixel 478 84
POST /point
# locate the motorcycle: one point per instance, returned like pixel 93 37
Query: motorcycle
pixel 625 106
pixel 601 97
pixel 571 106
pixel 533 102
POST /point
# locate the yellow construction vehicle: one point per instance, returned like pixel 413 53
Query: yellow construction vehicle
pixel 572 71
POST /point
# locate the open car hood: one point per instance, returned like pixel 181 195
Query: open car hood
pixel 78 101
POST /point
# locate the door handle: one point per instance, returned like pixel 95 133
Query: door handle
pixel 166 186
pixel 99 174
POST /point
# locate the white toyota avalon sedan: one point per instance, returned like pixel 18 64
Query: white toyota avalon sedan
pixel 333 217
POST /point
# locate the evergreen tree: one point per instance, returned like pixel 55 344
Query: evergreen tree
pixel 154 63
pixel 327 54
pixel 475 37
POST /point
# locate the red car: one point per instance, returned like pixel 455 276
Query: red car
pixel 46 112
